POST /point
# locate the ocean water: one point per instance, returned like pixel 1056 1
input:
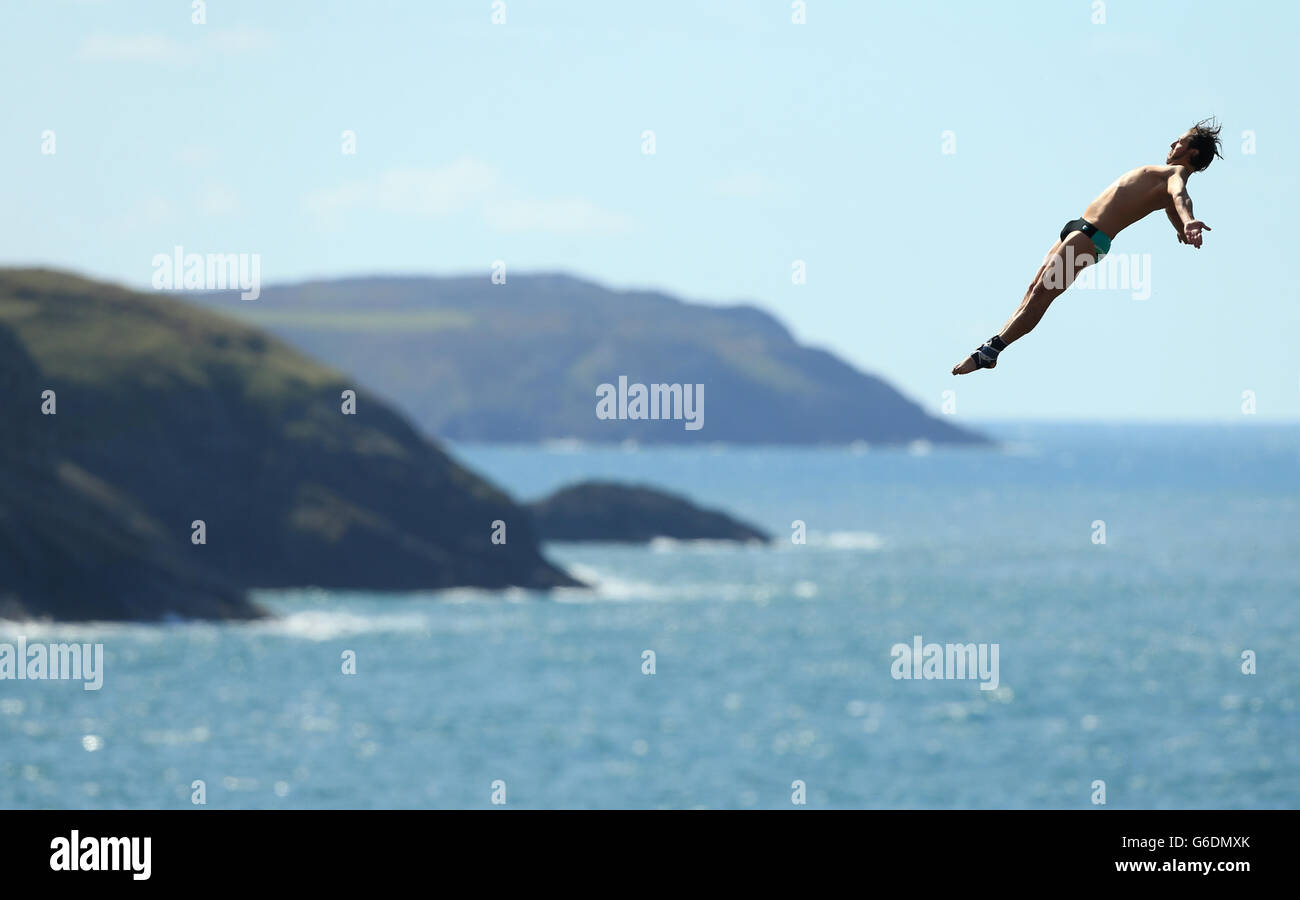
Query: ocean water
pixel 1118 662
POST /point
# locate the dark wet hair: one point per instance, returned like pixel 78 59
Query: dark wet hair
pixel 1205 141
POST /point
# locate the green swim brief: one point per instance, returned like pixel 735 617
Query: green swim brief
pixel 1099 238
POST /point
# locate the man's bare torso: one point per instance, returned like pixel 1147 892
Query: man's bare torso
pixel 1135 194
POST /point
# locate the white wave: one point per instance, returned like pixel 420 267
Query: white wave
pixel 316 625
pixel 78 632
pixel 605 586
pixel 1019 448
pixel 847 540
pixel 703 545
pixel 325 625
pixel 564 445
pixel 806 590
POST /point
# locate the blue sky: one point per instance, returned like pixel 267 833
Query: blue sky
pixel 775 142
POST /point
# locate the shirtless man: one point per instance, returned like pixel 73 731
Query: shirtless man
pixel 1134 195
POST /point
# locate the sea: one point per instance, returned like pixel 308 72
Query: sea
pixel 1132 589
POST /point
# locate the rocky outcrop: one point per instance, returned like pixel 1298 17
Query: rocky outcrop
pixel 607 511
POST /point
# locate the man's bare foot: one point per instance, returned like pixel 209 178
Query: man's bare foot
pixel 968 365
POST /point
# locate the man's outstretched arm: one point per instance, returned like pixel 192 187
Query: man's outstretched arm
pixel 1182 204
pixel 1175 221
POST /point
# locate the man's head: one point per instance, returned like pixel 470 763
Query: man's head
pixel 1196 147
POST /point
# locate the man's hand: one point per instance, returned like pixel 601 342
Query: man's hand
pixel 1192 233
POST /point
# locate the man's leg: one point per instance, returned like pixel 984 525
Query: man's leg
pixel 1064 262
pixel 1051 254
pixel 1058 273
